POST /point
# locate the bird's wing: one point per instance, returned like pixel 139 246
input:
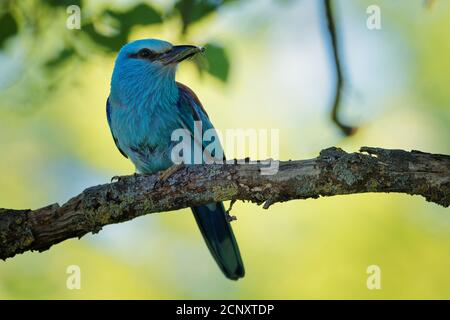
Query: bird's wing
pixel 191 94
pixel 108 116
pixel 211 218
pixel 190 109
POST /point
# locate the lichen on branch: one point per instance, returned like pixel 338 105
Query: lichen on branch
pixel 333 172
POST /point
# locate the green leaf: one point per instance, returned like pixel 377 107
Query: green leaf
pixel 218 63
pixel 62 57
pixel 8 27
pixel 63 3
pixel 141 14
pixel 110 43
pixel 193 10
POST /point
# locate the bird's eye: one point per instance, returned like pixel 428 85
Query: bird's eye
pixel 145 53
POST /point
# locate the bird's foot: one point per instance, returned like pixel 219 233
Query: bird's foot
pixel 116 179
pixel 164 175
pixel 228 216
pixel 119 178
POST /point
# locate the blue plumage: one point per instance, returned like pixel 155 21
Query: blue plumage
pixel 145 106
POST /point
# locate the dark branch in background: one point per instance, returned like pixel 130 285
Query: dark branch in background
pixel 347 130
pixel 334 172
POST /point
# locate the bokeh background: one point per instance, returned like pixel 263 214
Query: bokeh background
pixel 267 66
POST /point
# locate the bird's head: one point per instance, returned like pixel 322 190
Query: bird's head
pixel 150 64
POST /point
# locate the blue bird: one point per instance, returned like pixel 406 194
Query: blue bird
pixel 144 107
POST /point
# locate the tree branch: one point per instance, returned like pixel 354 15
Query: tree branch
pixel 334 172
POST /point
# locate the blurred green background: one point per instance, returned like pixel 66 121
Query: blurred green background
pixel 267 66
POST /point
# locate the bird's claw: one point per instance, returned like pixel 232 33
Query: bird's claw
pixel 115 179
pixel 164 175
pixel 119 178
pixel 228 216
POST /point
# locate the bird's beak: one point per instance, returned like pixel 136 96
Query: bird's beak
pixel 180 53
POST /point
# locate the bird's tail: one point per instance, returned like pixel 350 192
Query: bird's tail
pixel 219 238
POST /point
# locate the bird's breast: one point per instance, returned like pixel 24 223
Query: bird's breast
pixel 144 134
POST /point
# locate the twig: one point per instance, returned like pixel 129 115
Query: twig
pixel 347 130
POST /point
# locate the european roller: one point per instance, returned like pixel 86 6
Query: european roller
pixel 144 107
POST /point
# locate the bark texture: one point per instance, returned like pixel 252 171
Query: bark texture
pixel 333 172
